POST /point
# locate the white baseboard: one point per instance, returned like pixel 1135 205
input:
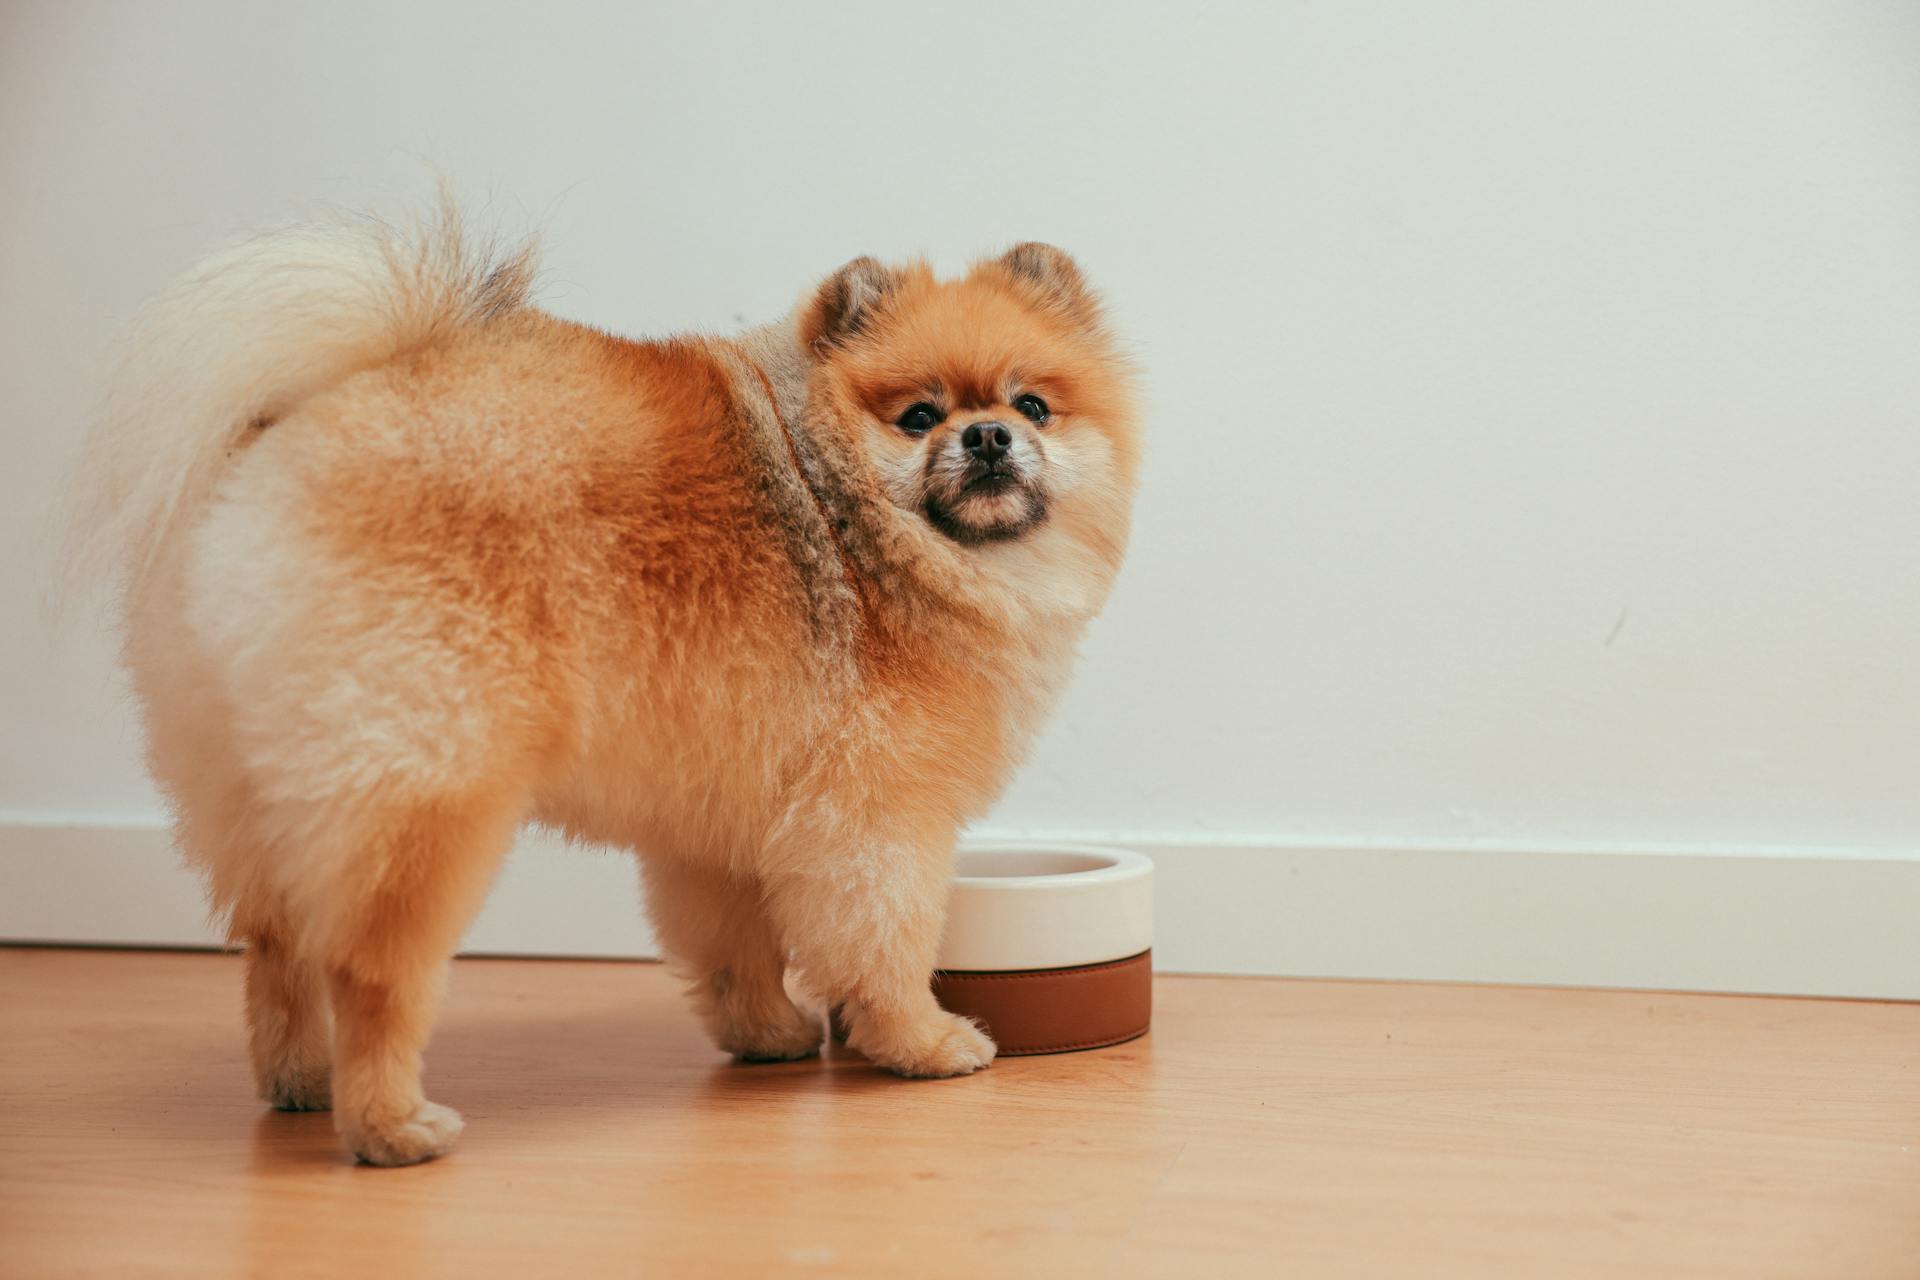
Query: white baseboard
pixel 1811 922
pixel 122 883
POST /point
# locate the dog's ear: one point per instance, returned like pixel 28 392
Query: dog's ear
pixel 846 302
pixel 1052 279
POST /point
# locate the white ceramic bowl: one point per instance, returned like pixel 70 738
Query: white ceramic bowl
pixel 1046 906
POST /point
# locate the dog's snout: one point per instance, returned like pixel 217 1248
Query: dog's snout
pixel 987 441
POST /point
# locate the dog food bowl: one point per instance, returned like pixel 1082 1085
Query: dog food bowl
pixel 1050 946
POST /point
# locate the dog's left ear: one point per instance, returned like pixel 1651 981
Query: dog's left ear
pixel 846 302
pixel 1054 279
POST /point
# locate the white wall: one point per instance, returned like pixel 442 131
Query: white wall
pixel 1535 387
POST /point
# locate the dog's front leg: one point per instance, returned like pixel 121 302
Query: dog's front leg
pixel 863 919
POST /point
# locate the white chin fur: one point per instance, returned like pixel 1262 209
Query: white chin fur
pixel 988 511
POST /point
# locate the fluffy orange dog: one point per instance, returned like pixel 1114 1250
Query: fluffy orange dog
pixel 409 563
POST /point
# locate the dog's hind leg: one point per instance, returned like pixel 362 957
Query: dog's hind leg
pixel 194 757
pixel 396 915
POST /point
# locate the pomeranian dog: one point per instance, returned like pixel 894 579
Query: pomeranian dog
pixel 407 563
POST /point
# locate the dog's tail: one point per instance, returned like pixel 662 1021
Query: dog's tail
pixel 242 340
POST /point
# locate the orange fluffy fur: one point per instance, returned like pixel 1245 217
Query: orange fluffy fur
pixel 408 563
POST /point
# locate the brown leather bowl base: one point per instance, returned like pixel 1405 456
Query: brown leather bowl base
pixel 1055 1010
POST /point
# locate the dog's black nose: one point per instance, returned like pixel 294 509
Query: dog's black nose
pixel 987 441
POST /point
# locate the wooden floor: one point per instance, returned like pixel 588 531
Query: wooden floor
pixel 1269 1128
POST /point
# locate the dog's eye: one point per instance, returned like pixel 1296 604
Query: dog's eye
pixel 920 419
pixel 1033 407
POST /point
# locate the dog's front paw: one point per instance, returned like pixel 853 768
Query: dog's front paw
pixel 929 1049
pixel 291 1089
pixel 430 1131
pixel 785 1035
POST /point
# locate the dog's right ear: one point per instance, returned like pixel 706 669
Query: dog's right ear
pixel 846 303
